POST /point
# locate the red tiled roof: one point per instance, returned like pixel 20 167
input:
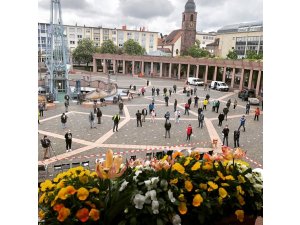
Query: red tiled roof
pixel 172 37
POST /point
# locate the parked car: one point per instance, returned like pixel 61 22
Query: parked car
pixel 195 81
pixel 246 93
pixel 253 101
pixel 219 85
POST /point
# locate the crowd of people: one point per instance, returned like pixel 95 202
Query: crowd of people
pixel 141 115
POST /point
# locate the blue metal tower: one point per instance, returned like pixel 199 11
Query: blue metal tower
pixel 57 53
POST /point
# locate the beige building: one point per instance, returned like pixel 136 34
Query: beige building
pixel 241 37
pixel 146 39
pixel 205 38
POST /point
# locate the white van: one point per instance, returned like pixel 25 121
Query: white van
pixel 219 85
pixel 195 81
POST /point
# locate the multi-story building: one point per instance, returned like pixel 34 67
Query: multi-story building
pixel 241 37
pixel 205 38
pixel 146 39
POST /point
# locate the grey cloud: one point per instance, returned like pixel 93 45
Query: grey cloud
pixel 146 9
pixel 67 4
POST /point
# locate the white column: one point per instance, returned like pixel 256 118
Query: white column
pixel 114 66
pixel 215 73
pixel 133 68
pixel 179 68
pixel 142 69
pixel 104 66
pixel 206 73
pixel 152 67
pixel 258 82
pixel 232 77
pixel 224 74
pixel 250 79
pixel 170 70
pixel 197 71
pixel 124 67
pixel 160 69
pixel 242 80
pixel 188 71
pixel 94 65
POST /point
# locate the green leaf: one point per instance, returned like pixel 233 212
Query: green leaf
pixel 159 221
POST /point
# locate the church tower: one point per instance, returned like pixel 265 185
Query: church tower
pixel 189 22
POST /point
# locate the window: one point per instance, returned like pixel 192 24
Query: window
pixel 96 38
pixel 120 45
pixel 129 34
pixel 114 32
pixel 144 35
pixel 114 39
pixel 72 42
pixel 192 17
pixel 105 38
pixel 72 35
pixel 79 36
pixel 183 18
pixel 88 31
pixel 105 31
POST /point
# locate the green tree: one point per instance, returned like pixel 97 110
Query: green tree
pixel 251 54
pixel 108 47
pixel 232 55
pixel 83 53
pixel 132 47
pixel 197 52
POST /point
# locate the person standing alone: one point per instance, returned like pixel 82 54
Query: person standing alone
pixel 225 133
pixel 63 120
pixel 242 123
pixel 92 120
pixel 234 103
pixel 189 131
pixel 138 118
pixel 247 107
pixel 41 109
pixel 236 138
pixel 175 105
pixel 68 138
pixel 116 119
pixel 168 128
pixel 144 113
pixel 201 120
pixel 99 115
pixel 221 118
pixel 257 113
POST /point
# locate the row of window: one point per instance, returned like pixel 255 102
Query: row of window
pixel 208 38
pixel 250 38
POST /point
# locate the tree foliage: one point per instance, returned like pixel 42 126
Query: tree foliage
pixel 197 52
pixel 108 47
pixel 83 53
pixel 250 54
pixel 232 55
pixel 132 47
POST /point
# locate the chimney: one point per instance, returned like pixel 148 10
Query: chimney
pixel 124 27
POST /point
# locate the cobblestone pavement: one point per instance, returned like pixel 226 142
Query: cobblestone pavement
pixel 90 144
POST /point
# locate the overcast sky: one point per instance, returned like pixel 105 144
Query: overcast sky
pixel 156 15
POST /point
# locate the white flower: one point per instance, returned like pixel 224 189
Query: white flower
pixel 176 220
pixel 123 185
pixel 153 195
pixel 171 197
pixel 136 175
pixel 155 207
pixel 148 184
pixel 154 181
pixel 258 187
pixel 250 177
pixel 147 163
pixel 139 201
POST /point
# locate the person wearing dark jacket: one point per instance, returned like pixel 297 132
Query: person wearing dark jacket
pixel 138 118
pixel 221 118
pixel 200 110
pixel 41 109
pixel 157 91
pixel 190 100
pixel 200 120
pixel 116 119
pixel 144 113
pixel 236 138
pixel 174 88
pixel 165 91
pixel 153 91
pixel 225 111
pixel 168 128
pixel 196 101
pixel 121 106
pixel 225 133
pixel 167 100
pixel 175 105
pixel 247 107
pixel 228 103
pixel 217 106
pixel 63 120
pixel 170 92
pixel 99 115
pixel 167 116
pixel 68 138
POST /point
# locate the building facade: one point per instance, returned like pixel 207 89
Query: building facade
pixel 147 39
pixel 205 38
pixel 240 37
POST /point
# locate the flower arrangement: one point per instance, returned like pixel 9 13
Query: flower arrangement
pixel 174 190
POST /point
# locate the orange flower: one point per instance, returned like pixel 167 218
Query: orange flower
pixel 58 207
pixel 178 167
pixel 176 154
pixel 188 185
pixel 207 157
pixel 82 214
pixel 63 214
pixel 182 208
pixel 70 190
pixel 197 200
pixel 239 153
pixel 240 215
pixel 92 205
pixel 241 199
pixel 94 214
pixel 82 194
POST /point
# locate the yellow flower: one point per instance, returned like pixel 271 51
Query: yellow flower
pixel 240 190
pixel 62 194
pixel 224 185
pixel 207 166
pixel 220 175
pixel 181 197
pixel 229 177
pixel 182 208
pixel 188 185
pixel 240 215
pixel 187 161
pixel 54 201
pixel 203 186
pixel 41 200
pixel 196 166
pixel 174 181
pixel 94 214
pixel 93 174
pixel 241 179
pixel 82 194
pixel 109 158
pixel 63 214
pixel 87 172
pixel 210 189
pixel 220 200
pixel 164 158
pixel 47 185
pixel 55 180
pixel 83 179
pixel 212 185
pixel 197 200
pixel 178 167
pixel 41 214
pixel 70 190
pixel 61 184
pixel 222 192
pixel 94 190
pixel 241 200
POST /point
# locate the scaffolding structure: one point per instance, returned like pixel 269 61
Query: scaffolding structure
pixel 57 56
